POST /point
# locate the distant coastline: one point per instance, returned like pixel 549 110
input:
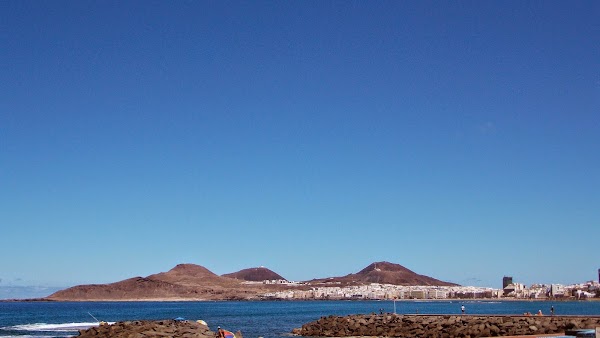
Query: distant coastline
pixel 379 281
pixel 449 300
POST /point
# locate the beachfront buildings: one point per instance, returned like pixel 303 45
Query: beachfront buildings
pixel 386 291
pixel 389 292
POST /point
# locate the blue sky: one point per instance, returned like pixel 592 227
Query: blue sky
pixel 459 139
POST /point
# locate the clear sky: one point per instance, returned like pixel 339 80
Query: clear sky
pixel 459 139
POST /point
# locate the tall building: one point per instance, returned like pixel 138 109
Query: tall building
pixel 506 281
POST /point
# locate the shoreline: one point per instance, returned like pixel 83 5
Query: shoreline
pixel 182 299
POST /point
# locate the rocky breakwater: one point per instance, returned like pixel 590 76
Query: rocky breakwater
pixel 151 328
pixel 443 326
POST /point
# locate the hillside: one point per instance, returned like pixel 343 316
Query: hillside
pixel 255 275
pixel 192 275
pixel 183 282
pixel 195 282
pixel 383 273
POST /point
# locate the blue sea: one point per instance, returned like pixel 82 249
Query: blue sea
pixel 268 319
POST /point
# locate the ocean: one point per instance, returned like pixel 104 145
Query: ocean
pixel 268 319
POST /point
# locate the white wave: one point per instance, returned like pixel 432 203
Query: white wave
pixel 52 327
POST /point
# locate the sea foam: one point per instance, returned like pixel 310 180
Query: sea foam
pixel 52 327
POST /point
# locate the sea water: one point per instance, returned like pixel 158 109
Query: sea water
pixel 268 319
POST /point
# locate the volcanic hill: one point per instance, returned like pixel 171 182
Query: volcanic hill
pixel 383 273
pixel 194 282
pixel 255 275
pixel 183 282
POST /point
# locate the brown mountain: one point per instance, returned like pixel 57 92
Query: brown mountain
pixel 255 275
pixel 383 273
pixel 194 282
pixel 192 275
pixel 184 282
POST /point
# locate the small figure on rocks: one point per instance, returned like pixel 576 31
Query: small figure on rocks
pixel 539 313
pixel 552 310
pixel 220 332
pixel 462 309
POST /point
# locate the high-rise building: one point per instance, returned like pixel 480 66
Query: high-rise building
pixel 506 281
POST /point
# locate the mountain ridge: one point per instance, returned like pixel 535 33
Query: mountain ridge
pixel 384 273
pixel 195 282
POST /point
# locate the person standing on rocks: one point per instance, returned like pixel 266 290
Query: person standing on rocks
pixel 220 332
pixel 462 309
pixel 552 310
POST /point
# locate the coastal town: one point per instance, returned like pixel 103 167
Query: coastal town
pixel 376 291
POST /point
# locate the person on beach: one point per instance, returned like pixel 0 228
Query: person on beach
pixel 552 310
pixel 220 332
pixel 462 309
pixel 540 313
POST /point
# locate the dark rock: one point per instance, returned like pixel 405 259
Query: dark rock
pixel 143 329
pixel 409 326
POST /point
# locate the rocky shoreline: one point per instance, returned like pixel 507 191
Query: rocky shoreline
pixel 443 326
pixel 151 328
pixel 384 325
